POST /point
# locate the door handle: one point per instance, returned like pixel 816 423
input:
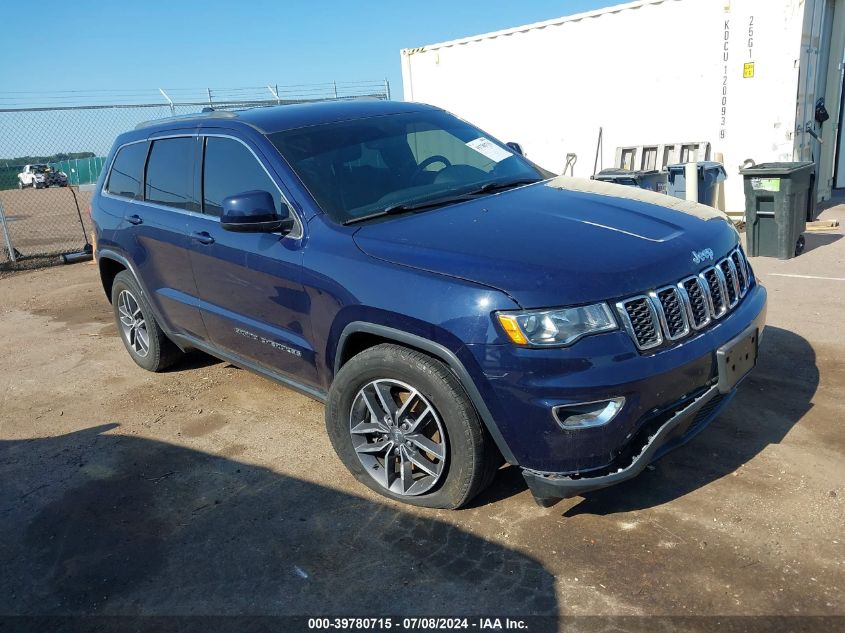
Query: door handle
pixel 202 237
pixel 135 219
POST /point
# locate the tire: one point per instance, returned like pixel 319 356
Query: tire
pixel 470 458
pixel 20 184
pixel 146 343
pixel 799 245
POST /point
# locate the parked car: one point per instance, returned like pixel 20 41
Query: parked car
pixel 453 305
pixel 40 175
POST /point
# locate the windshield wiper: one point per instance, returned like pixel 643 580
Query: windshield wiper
pixel 407 207
pixel 499 186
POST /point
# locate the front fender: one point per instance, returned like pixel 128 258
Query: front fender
pixel 442 353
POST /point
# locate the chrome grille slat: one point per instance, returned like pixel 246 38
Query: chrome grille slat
pixel 726 266
pixel 672 312
pixel 741 270
pixel 698 306
pixel 716 285
pixel 641 321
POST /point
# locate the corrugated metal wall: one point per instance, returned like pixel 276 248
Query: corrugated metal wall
pixel 664 71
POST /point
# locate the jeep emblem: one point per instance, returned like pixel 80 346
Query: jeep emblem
pixel 700 256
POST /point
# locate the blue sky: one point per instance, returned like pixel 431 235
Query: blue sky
pixel 147 44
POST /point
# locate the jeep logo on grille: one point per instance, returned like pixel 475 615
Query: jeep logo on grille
pixel 700 256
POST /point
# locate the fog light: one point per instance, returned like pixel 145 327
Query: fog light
pixel 585 415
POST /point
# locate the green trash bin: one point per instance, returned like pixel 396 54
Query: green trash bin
pixel 776 207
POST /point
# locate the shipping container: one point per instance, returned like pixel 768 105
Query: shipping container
pixel 744 76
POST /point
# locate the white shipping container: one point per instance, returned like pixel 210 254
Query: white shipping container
pixel 743 75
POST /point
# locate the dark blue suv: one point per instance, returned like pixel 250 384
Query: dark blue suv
pixel 453 304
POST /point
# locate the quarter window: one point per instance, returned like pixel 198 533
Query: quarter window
pixel 127 172
pixel 170 173
pixel 230 168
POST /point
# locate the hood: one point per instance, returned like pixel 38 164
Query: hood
pixel 565 241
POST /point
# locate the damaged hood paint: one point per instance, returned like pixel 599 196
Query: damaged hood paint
pixel 561 242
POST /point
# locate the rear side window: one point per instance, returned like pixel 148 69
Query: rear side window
pixel 230 168
pixel 170 173
pixel 127 172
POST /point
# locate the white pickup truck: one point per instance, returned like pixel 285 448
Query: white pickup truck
pixel 41 175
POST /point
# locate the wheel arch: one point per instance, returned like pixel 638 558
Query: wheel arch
pixel 109 269
pixel 359 336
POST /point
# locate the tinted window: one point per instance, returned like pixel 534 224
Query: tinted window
pixel 127 171
pixel 230 168
pixel 170 173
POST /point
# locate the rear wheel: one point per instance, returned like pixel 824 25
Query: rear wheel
pixel 403 425
pixel 145 341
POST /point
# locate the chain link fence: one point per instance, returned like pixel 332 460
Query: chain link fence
pixel 52 156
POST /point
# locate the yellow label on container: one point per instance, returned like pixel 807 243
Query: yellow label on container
pixel 748 70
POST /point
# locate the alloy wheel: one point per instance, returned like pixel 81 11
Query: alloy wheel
pixel 132 323
pixel 398 437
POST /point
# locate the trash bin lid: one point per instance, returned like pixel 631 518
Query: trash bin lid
pixel 703 165
pixel 615 171
pixel 776 169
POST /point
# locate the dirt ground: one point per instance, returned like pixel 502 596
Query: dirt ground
pixel 209 490
pixel 45 221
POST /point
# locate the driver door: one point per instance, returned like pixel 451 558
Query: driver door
pixel 251 295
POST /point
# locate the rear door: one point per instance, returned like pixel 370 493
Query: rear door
pixel 158 224
pixel 252 299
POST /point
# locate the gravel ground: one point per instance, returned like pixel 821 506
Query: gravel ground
pixel 209 490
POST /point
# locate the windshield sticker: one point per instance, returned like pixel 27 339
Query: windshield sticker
pixel 489 149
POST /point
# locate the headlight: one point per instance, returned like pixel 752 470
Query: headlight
pixel 557 327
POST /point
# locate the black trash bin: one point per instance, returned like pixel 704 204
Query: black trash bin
pixel 651 179
pixel 776 207
pixel 710 173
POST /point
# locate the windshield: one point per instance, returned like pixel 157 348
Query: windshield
pixel 361 167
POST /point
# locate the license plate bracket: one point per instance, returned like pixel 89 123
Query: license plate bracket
pixel 736 358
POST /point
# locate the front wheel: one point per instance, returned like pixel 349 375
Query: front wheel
pixel 403 425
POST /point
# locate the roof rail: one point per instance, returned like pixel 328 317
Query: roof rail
pixel 214 114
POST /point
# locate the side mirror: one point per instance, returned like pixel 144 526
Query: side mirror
pixel 516 147
pixel 254 212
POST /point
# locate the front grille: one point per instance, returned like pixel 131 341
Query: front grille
pixel 717 295
pixel 728 270
pixel 741 272
pixel 674 320
pixel 644 326
pixel 673 312
pixel 699 308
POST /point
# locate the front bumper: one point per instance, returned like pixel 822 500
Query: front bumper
pixel 668 397
pixel 680 427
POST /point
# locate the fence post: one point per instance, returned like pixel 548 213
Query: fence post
pixel 208 90
pixel 9 246
pixel 387 89
pixel 335 89
pixel 169 100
